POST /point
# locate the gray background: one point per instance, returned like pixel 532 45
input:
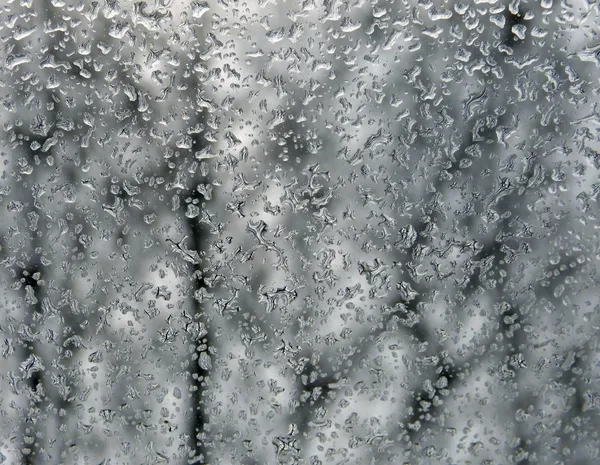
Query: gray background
pixel 269 232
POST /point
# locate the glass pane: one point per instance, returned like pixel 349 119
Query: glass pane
pixel 299 232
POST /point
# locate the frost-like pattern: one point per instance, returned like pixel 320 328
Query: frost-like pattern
pixel 299 232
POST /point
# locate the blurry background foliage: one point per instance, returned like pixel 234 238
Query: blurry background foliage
pixel 299 232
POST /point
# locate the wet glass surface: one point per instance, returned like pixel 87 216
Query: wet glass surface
pixel 299 232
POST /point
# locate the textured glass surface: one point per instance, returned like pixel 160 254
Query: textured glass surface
pixel 302 232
